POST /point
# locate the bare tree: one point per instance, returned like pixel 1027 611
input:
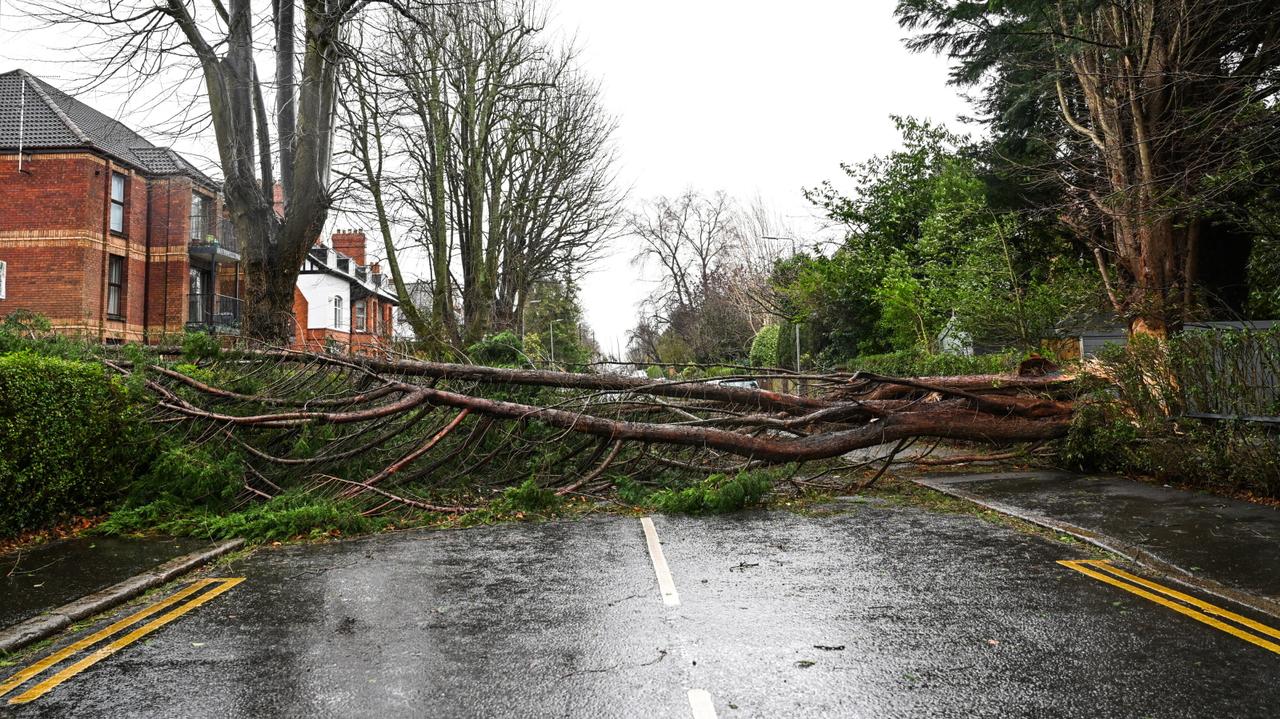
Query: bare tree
pixel 687 237
pixel 371 164
pixel 764 240
pixel 504 167
pixel 714 259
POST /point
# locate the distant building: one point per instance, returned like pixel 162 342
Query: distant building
pixel 341 303
pixel 420 295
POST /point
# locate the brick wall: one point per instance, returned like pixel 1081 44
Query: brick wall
pixel 56 238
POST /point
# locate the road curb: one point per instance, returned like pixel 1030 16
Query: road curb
pixel 1132 553
pixel 46 625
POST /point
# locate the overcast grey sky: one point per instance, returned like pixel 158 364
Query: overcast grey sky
pixel 746 96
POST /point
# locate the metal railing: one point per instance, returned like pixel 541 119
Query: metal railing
pixel 225 239
pixel 211 310
pixel 1229 372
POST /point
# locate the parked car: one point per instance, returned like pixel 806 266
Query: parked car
pixel 744 383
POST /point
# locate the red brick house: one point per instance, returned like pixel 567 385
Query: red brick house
pixel 108 235
pixel 116 239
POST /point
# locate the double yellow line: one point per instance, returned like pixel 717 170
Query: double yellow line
pixel 1185 604
pixel 180 598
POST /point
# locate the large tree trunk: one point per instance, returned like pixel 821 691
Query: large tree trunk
pixel 274 247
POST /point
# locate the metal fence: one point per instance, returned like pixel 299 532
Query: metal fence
pixel 213 311
pixel 1229 370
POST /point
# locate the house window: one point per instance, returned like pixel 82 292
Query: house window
pixel 361 309
pixel 201 217
pixel 337 311
pixel 117 202
pixel 4 266
pixel 115 287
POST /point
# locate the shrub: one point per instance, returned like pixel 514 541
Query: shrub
pixel 918 363
pixel 526 497
pixel 1101 438
pixel 68 438
pixel 764 348
pixel 1131 419
pixel 502 349
pixel 716 494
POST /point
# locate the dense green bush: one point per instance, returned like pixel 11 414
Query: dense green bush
pixel 69 438
pixel 191 475
pixel 501 349
pixel 918 363
pixel 764 348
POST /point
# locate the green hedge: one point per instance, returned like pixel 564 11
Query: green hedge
pixel 66 431
pixel 917 363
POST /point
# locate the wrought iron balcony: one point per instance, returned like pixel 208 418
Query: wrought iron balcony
pixel 223 247
pixel 215 313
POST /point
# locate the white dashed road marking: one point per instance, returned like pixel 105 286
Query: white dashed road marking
pixel 699 699
pixel 700 703
pixel 665 583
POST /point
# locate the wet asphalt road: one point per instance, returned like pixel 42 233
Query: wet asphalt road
pixel 874 612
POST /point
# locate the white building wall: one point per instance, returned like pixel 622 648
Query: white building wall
pixel 320 289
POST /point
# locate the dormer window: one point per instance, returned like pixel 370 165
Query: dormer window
pixel 117 202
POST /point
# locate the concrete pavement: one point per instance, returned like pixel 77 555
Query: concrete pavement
pixel 871 611
pixel 46 576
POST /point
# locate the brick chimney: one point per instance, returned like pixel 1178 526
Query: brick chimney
pixel 350 243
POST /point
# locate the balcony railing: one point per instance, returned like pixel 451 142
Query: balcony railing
pixel 213 311
pixel 225 241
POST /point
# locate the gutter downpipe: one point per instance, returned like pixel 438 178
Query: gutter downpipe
pixel 146 274
pixel 106 235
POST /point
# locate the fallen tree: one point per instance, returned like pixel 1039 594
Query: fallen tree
pixel 374 428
